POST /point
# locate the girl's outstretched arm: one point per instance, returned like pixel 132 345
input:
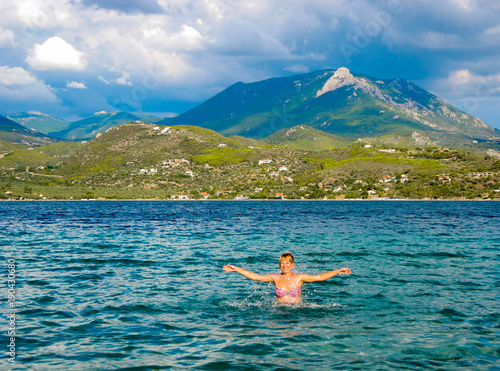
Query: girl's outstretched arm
pixel 323 276
pixel 251 275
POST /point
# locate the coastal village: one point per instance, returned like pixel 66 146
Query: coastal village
pixel 380 189
pixel 283 178
pixel 142 161
pixel 274 179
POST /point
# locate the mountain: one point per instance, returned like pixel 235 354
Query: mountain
pixel 13 132
pixel 304 137
pixel 99 122
pixel 8 125
pixel 337 102
pixel 38 121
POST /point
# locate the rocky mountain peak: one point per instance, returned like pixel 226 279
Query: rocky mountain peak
pixel 37 113
pixel 341 77
pixel 343 73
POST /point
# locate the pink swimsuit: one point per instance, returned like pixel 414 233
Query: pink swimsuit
pixel 296 292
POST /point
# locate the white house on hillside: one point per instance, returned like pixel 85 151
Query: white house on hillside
pixel 179 197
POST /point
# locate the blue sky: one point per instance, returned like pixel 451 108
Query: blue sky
pixel 71 58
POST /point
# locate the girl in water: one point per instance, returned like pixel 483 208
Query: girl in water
pixel 288 284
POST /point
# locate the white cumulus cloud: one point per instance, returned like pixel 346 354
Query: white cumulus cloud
pixel 186 39
pixel 56 54
pixel 17 84
pixel 465 84
pixel 76 85
pixel 124 79
pixel 6 37
pixel 103 80
pixel 10 76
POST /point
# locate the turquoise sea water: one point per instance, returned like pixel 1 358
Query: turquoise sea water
pixel 139 285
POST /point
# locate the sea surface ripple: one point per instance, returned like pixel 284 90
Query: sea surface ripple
pixel 138 285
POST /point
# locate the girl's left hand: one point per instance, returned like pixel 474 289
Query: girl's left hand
pixel 229 268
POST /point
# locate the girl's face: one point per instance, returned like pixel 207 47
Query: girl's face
pixel 286 266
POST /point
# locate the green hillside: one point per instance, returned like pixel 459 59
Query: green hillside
pixel 145 161
pixel 6 147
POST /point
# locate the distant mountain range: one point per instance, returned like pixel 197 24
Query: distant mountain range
pixel 99 122
pixel 84 129
pixel 336 102
pixel 11 131
pixel 314 111
pixel 38 121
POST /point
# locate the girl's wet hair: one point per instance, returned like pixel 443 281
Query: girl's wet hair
pixel 288 256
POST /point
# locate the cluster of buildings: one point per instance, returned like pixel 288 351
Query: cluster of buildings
pixel 339 190
pixel 274 172
pixel 170 163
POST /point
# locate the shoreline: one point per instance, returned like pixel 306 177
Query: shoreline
pixel 266 200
